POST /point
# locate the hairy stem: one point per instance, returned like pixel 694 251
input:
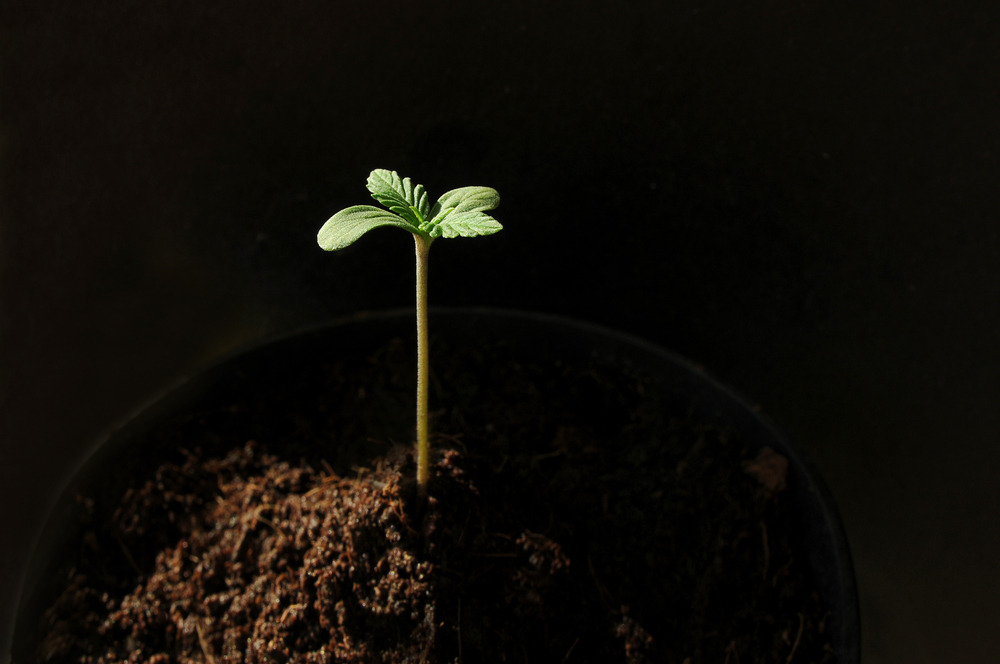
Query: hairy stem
pixel 423 246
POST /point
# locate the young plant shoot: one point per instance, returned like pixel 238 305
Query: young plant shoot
pixel 458 213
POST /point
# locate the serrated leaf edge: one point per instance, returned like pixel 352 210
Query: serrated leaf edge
pixel 409 201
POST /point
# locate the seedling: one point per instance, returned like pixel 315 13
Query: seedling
pixel 458 213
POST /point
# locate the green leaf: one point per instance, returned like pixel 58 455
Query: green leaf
pixel 463 224
pixel 460 213
pixel 465 199
pixel 399 195
pixel 343 228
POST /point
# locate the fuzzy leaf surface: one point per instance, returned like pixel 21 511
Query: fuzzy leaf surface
pixel 461 213
pixel 400 195
pixel 343 228
pixel 466 199
pixel 464 224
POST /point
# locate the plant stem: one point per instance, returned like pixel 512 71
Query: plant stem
pixel 422 245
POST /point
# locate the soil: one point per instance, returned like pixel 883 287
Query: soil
pixel 576 514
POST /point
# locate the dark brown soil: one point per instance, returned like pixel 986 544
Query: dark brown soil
pixel 551 534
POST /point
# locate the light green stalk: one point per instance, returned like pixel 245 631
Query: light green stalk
pixel 423 246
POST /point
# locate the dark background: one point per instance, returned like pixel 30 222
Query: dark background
pixel 802 197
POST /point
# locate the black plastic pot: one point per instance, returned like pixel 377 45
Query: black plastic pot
pixel 287 396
